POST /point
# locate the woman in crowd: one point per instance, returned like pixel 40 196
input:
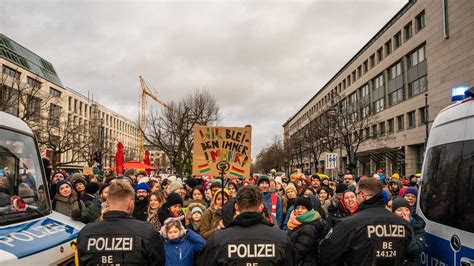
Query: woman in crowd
pixel 288 201
pixel 156 201
pixel 232 188
pixel 212 217
pixel 66 199
pixel 279 189
pixel 306 229
pixel 325 194
pixel 347 206
pixel 172 208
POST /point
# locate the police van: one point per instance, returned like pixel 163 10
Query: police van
pixel 446 200
pixel 30 232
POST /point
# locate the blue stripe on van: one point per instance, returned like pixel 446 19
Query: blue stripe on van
pixel 438 251
pixel 33 237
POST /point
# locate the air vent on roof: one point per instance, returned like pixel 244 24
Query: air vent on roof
pixel 5 42
pixel 7 54
pixel 48 66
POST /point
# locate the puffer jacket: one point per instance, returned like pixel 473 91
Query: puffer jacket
pixel 209 222
pixel 65 205
pixel 181 251
pixel 89 215
pixel 418 242
pixel 191 225
pixel 306 238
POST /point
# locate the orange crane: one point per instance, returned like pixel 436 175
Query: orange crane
pixel 146 91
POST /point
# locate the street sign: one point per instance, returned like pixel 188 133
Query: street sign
pixel 331 160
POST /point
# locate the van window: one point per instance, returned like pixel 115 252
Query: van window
pixel 448 182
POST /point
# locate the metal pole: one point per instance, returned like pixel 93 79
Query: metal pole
pixel 426 119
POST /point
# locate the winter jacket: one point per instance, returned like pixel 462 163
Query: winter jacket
pixel 267 200
pixel 418 242
pixel 140 212
pixel 336 213
pixel 154 220
pixel 67 205
pixel 372 236
pixel 128 242
pixel 87 199
pixel 191 225
pixel 209 222
pixel 249 240
pixel 90 214
pixel 181 251
pixel 305 239
pixel 163 214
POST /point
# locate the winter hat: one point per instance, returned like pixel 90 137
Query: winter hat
pixel 191 182
pixel 78 180
pixel 303 201
pixel 173 199
pixel 102 187
pixel 192 209
pixel 172 220
pixel 278 180
pixel 399 202
pixel 410 190
pixel 76 176
pixel 174 186
pixel 376 176
pixel 92 188
pixel 196 209
pixel 396 176
pixel 62 182
pixel 217 184
pixel 142 186
pixel 172 178
pixel 226 192
pixel 263 178
pixel 340 188
pixel 292 186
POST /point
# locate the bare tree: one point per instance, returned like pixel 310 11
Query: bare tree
pixel 273 156
pixel 171 130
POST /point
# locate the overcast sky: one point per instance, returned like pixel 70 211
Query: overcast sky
pixel 263 60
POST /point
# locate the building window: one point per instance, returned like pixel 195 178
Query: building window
pixel 388 47
pixel 420 21
pixel 379 105
pixel 366 66
pixel 11 72
pixel 379 81
pixel 382 128
pixel 398 39
pixel 396 70
pixel 379 54
pixel 417 56
pixel 70 103
pixel 408 31
pixel 365 111
pixel 390 125
pixel 54 114
pixel 396 97
pixel 372 61
pixel 411 119
pixel 364 91
pixel 33 83
pixel 54 92
pixel 33 106
pixel 374 130
pixel 418 86
pixel 423 115
pixel 353 98
pixel 400 123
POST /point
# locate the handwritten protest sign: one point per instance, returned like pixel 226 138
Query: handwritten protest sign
pixel 214 144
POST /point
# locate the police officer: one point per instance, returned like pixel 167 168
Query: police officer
pixel 372 236
pixel 250 239
pixel 119 239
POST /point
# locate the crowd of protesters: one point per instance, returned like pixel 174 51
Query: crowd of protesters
pixel 318 215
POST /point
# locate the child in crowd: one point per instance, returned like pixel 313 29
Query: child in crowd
pixel 181 245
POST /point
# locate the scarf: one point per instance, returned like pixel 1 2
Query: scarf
pixel 293 222
pixel 309 217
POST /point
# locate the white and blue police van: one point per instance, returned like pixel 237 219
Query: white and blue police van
pixel 30 232
pixel 446 198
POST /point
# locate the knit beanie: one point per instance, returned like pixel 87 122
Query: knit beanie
pixel 173 199
pixel 263 178
pixel 142 186
pixel 76 176
pixel 78 180
pixel 340 188
pixel 303 201
pixel 292 186
pixel 174 186
pixel 399 202
pixel 196 209
pixel 278 180
pixel 102 187
pixel 218 192
pixel 92 188
pixel 410 190
pixel 192 182
pixel 62 182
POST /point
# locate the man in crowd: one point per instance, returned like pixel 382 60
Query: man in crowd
pixel 141 203
pixel 250 239
pixel 93 212
pixel 372 236
pixel 349 180
pixel 119 239
pixel 270 199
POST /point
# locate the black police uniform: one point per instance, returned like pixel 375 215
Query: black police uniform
pixel 120 239
pixel 249 240
pixel 372 236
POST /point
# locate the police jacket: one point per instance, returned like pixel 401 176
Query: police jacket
pixel 120 239
pixel 372 236
pixel 249 239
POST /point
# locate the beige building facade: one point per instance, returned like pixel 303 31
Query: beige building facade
pixel 71 126
pixel 403 77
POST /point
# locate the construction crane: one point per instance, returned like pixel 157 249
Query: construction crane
pixel 146 91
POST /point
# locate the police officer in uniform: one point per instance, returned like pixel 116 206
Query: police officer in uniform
pixel 250 239
pixel 119 239
pixel 372 236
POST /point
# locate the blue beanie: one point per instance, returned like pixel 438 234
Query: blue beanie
pixel 62 182
pixel 143 186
